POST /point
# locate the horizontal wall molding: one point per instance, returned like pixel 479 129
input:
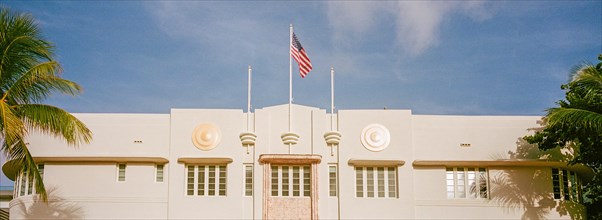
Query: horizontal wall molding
pixel 362 162
pixel 289 158
pixel 12 167
pixel 102 159
pixel 581 169
pixel 205 160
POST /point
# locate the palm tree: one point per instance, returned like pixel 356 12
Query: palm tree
pixel 28 75
pixel 577 125
pixel 583 107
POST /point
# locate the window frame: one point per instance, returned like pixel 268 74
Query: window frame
pixel 367 177
pixel 162 171
pixel 333 176
pixel 41 170
pixel 214 182
pixel 119 169
pixel 248 175
pixel 568 183
pixel 298 180
pixel 24 184
pixel 480 178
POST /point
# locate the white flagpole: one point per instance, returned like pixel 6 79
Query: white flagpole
pixel 290 78
pixel 331 98
pixel 249 101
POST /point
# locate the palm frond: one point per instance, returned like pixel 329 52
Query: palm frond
pixel 51 120
pixel 12 128
pixel 19 152
pixel 28 75
pixel 21 43
pixel 39 82
pixel 574 117
pixel 586 77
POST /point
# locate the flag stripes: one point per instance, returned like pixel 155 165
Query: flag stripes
pixel 299 54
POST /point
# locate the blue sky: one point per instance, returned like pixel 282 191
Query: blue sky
pixel 443 57
pixel 440 57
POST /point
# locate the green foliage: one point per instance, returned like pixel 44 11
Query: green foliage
pixel 577 124
pixel 29 75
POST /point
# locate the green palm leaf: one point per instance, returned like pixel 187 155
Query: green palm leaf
pixel 20 153
pixel 587 77
pixel 29 75
pixel 39 82
pixel 11 125
pixel 578 118
pixel 54 121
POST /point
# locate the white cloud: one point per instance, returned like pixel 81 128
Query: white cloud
pixel 417 23
pixel 353 16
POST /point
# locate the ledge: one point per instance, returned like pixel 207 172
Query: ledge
pixel 205 160
pixel 390 163
pixel 12 167
pixel 289 158
pixel 582 170
pixel 102 159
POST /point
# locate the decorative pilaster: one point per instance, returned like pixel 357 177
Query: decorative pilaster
pixel 266 190
pixel 314 191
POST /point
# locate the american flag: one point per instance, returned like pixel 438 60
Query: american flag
pixel 300 56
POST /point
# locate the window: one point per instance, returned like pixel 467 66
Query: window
pixel 206 180
pixel 248 180
pixel 332 180
pixel 159 173
pixel 306 181
pixel 380 182
pixel 41 170
pixel 121 172
pixel 465 182
pixel 287 179
pixel 24 179
pixel 190 181
pixel 566 185
pixel 24 183
pixel 29 184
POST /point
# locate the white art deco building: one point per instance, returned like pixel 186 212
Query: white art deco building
pixel 367 164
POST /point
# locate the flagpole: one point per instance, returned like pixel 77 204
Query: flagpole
pixel 290 78
pixel 331 98
pixel 295 49
pixel 290 82
pixel 249 101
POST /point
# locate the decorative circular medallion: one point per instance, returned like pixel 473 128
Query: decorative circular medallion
pixel 375 137
pixel 206 136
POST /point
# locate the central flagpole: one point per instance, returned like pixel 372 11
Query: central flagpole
pixel 290 82
pixel 331 98
pixel 289 138
pixel 290 78
pixel 249 101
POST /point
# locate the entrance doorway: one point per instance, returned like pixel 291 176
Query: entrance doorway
pixel 290 186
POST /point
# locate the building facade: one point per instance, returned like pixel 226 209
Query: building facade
pixel 356 164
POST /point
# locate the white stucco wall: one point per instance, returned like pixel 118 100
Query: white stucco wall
pixel 398 122
pixel 439 137
pixel 490 138
pixel 89 189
